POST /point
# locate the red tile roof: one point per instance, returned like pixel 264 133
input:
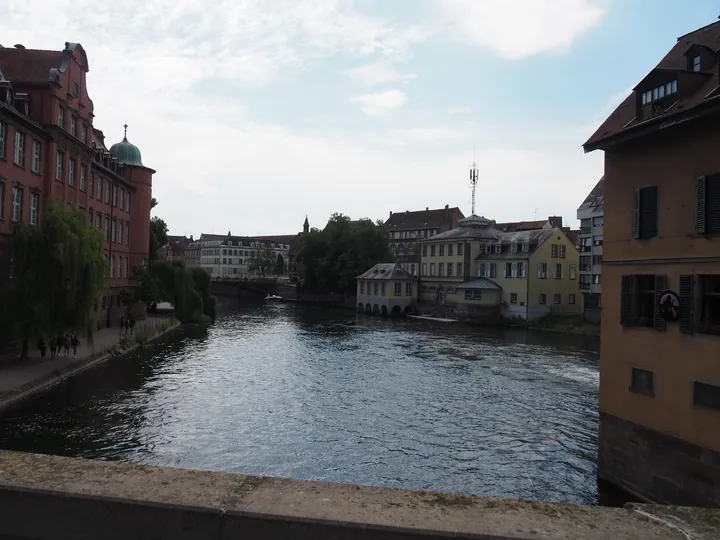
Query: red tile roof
pixel 423 219
pixel 29 66
pixel 703 89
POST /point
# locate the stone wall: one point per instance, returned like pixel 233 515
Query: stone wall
pixel 657 467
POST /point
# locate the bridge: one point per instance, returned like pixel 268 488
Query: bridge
pixel 56 498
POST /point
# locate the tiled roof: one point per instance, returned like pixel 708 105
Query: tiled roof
pixel 534 238
pixel 423 219
pixel 703 88
pixel 554 221
pixel 574 236
pixel 596 196
pixel 386 271
pixel 479 283
pixel 29 66
pixel 462 233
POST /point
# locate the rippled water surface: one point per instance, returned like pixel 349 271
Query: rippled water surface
pixel 327 395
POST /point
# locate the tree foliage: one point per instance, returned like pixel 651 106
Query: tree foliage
pixel 187 289
pixel 59 269
pixel 331 259
pixel 262 262
pixel 279 268
pixel 158 236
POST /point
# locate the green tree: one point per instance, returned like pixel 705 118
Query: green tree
pixel 158 236
pixel 262 262
pixel 331 259
pixel 279 268
pixel 59 269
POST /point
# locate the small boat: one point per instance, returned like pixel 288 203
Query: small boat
pixel 272 298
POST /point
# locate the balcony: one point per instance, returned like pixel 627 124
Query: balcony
pixel 585 230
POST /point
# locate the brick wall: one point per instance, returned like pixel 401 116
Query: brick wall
pixel 657 467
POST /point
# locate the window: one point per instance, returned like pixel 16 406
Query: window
pixel 558 273
pixel 709 299
pixel 498 248
pixel 432 269
pixel 71 172
pixel 598 221
pixel 585 245
pixel 91 214
pixel 637 301
pixel 17 195
pixel 36 148
pixel 83 133
pixel 473 294
pixel 34 206
pixel 543 298
pixel 557 298
pixel 596 279
pixel 706 396
pixel 509 268
pixel 107 229
pixel 122 198
pixel 362 287
pixel 98 220
pixel 513 247
pixel 450 269
pixel 2 199
pixel 19 148
pixel 3 135
pixel 450 250
pixel 707 215
pixel 573 271
pixel 696 63
pixel 99 188
pixel 542 270
pixel 59 166
pixel 61 117
pixel 585 263
pixel 513 298
pixel 526 247
pixel 73 125
pixel 441 269
pixel 562 251
pixel 442 250
pixel 113 234
pixel 597 259
pixel 76 90
pixel 432 251
pixel 224 260
pixel 384 289
pixel 82 178
pixel 554 251
pixel 642 381
pixel 107 191
pixel 459 269
pixel 521 270
pixel 398 289
pixel 571 299
pixel 112 267
pixel 585 280
pixel 424 269
pixel 597 240
pixel 127 201
pixel 408 289
pixel 459 249
pixel 646 213
pixel 424 251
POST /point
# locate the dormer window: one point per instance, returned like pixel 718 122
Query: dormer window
pixel 525 247
pixel 696 63
pixel 513 248
pixel 659 92
pixel 498 248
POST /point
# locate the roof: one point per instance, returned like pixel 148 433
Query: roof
pixel 126 152
pixel 533 238
pixel 465 233
pixel 574 236
pixel 596 197
pixel 551 221
pixel 386 271
pixel 30 66
pixel 479 283
pixel 423 219
pixel 699 94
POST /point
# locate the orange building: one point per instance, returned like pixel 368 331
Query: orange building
pixel 660 362
pixel 50 148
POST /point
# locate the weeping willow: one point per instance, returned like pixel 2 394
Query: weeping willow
pixel 59 269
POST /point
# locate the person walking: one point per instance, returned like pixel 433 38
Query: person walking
pixel 122 325
pixel 53 347
pixel 42 347
pixel 132 325
pixel 74 341
pixel 127 325
pixel 66 345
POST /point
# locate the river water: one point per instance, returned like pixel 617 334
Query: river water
pixel 315 394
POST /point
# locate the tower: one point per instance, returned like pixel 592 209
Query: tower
pixel 306 226
pixel 473 182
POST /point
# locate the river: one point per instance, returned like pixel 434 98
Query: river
pixel 306 393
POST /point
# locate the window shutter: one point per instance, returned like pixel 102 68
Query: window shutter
pixel 539 269
pixel 626 300
pixel 649 216
pixel 660 285
pixel 700 218
pixel 636 225
pixel 687 298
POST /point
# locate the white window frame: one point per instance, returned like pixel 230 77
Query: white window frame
pixel 71 172
pixel 19 148
pixel 3 138
pixel 498 248
pixel 696 63
pixel 526 247
pixel 61 117
pixel 82 177
pixel 398 289
pixel 73 125
pixel 34 207
pixel 513 247
pixel 35 166
pixel 59 162
pixel 99 188
pixel 17 195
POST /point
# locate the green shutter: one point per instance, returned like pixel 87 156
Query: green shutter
pixel 636 215
pixel 700 217
pixel 626 301
pixel 687 299
pixel 660 285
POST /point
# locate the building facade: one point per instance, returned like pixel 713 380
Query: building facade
pixel 49 148
pixel 591 215
pixel 406 229
pixel 659 369
pixel 386 289
pixel 238 257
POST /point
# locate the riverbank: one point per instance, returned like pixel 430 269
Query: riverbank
pixel 24 378
pixel 569 324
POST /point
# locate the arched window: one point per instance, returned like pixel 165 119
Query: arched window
pixel 411 249
pixel 392 249
pixel 401 250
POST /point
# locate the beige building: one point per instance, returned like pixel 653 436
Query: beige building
pixel 386 289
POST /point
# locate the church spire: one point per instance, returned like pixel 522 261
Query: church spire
pixel 306 225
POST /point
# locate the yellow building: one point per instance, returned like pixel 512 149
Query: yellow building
pixel 386 288
pixel 477 269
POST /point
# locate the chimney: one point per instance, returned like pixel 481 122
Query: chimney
pixel 407 212
pixel 390 213
pixel 19 46
pixel 427 208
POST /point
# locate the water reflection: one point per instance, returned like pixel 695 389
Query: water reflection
pixel 328 395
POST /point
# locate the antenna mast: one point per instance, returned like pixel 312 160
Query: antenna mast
pixel 473 181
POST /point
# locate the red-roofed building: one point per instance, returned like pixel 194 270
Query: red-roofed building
pixel 50 148
pixel 660 354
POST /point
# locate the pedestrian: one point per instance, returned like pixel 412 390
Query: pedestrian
pixel 42 347
pixel 66 345
pixel 132 325
pixel 127 325
pixel 74 342
pixel 60 341
pixel 53 347
pixel 122 324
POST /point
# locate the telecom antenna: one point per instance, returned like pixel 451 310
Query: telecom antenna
pixel 473 181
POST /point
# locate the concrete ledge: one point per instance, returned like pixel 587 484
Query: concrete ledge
pixel 50 497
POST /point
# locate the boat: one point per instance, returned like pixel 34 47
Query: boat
pixel 272 298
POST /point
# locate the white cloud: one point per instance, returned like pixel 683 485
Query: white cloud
pixel 380 72
pixel 380 103
pixel 521 28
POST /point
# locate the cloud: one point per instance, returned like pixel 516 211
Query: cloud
pixel 380 103
pixel 459 110
pixel 380 72
pixel 521 28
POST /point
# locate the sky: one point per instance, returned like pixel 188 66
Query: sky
pixel 256 113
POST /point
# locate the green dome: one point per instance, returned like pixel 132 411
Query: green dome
pixel 125 152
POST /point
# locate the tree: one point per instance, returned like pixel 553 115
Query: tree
pixel 158 236
pixel 279 269
pixel 262 262
pixel 331 259
pixel 59 269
